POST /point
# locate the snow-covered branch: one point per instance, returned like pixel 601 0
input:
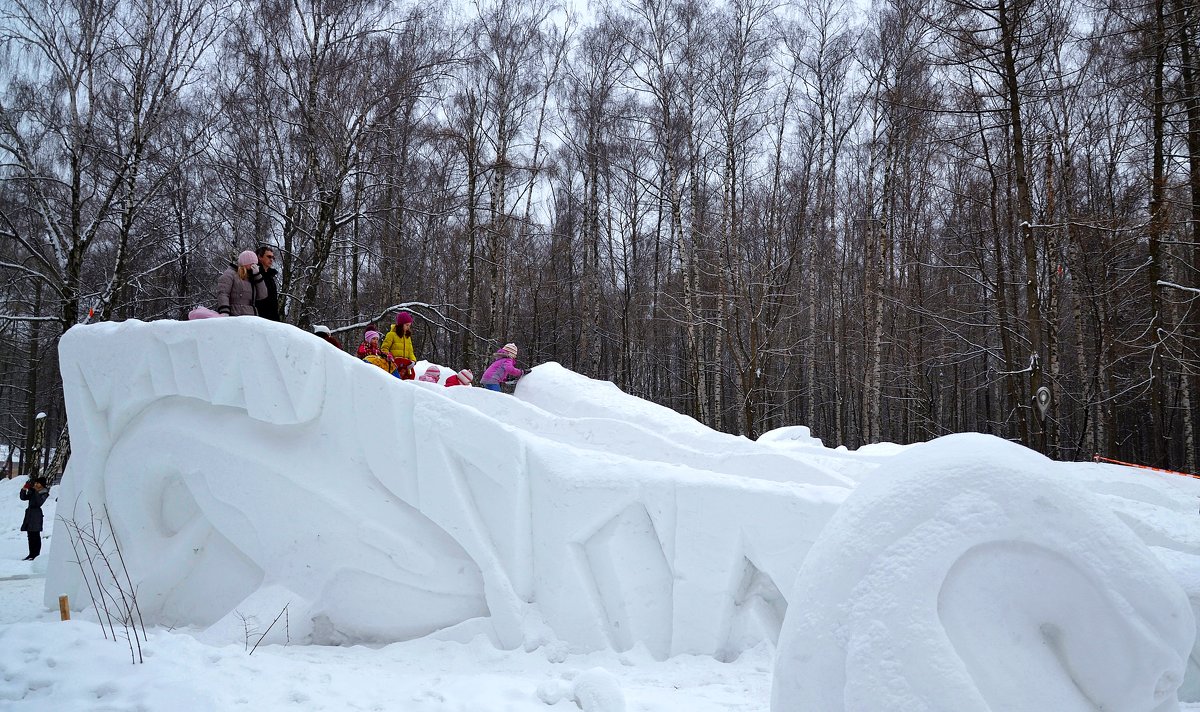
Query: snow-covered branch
pixel 20 317
pixel 1172 285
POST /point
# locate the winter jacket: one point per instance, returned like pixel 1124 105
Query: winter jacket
pixel 269 308
pixel 500 371
pixel 455 381
pixel 33 511
pixel 372 354
pixel 236 296
pixel 401 350
pixel 399 346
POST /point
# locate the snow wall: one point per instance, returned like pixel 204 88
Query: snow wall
pixel 246 465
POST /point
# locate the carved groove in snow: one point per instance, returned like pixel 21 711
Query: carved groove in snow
pixel 633 579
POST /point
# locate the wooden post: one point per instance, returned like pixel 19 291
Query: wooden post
pixel 64 609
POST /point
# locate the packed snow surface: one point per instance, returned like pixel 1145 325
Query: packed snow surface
pixel 245 466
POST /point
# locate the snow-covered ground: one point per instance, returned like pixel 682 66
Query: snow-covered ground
pixel 570 547
pixel 53 666
pixel 57 667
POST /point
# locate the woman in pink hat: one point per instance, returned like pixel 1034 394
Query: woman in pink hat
pixel 502 369
pixel 240 286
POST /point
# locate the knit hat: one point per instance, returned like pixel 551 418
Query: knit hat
pixel 371 336
pixel 509 350
pixel 247 258
pixel 433 374
pixel 321 329
pixel 465 376
pixel 403 318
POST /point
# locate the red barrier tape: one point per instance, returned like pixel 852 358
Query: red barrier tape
pixel 1097 458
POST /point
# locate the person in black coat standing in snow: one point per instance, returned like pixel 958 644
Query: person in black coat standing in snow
pixel 268 308
pixel 35 492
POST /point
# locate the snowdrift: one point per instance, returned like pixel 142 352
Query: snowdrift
pixel 246 465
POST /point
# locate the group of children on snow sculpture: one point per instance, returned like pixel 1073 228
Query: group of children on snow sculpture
pixel 248 284
pixel 396 356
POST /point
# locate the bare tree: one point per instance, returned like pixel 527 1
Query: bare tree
pixel 312 84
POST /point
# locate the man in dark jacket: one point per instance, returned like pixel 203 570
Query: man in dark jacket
pixel 35 492
pixel 268 308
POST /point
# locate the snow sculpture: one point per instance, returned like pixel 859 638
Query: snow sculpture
pixel 247 465
pixel 961 578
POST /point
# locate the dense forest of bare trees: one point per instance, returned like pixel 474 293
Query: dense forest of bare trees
pixel 886 224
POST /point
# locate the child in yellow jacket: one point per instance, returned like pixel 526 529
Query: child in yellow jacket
pixel 398 343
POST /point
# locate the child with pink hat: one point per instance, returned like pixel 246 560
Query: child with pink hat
pixel 370 352
pixel 370 343
pixel 502 369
